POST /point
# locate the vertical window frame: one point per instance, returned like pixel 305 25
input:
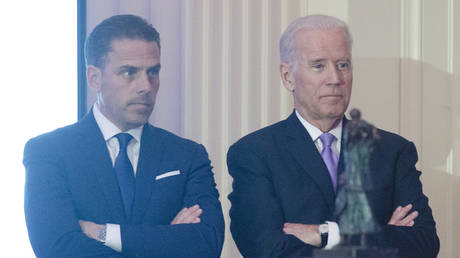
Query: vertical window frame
pixel 81 37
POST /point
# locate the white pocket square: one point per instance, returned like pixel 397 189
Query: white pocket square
pixel 167 174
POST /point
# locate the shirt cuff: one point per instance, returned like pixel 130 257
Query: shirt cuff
pixel 333 237
pixel 113 237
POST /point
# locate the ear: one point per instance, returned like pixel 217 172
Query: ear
pixel 287 76
pixel 94 78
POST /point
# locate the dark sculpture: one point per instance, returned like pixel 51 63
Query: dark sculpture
pixel 352 208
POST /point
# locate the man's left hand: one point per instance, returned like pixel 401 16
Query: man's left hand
pixel 307 233
pixel 188 215
pixel 402 217
pixel 90 229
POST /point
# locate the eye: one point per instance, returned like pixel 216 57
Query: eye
pixel 343 66
pixel 318 67
pixel 154 71
pixel 128 73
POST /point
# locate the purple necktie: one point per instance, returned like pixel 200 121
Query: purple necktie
pixel 329 157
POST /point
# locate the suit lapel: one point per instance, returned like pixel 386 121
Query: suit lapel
pixel 300 145
pixel 94 153
pixel 150 158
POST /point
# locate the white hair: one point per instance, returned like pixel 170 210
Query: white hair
pixel 312 22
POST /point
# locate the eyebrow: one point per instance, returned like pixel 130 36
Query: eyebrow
pixel 155 68
pixel 318 60
pixel 321 60
pixel 124 67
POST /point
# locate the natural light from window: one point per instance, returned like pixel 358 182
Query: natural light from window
pixel 39 93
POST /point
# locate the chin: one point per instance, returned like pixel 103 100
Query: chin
pixel 134 122
pixel 140 116
pixel 142 121
pixel 337 111
pixel 334 112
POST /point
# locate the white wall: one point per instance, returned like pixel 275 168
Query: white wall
pixel 39 93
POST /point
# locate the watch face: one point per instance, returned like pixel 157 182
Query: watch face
pixel 323 228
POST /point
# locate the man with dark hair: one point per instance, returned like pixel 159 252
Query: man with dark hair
pixel 98 43
pixel 285 175
pixel 113 185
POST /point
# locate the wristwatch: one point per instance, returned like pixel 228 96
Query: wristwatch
pixel 102 233
pixel 323 230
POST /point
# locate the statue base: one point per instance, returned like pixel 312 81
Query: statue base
pixel 356 252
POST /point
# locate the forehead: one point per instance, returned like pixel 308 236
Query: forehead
pixel 322 43
pixel 134 52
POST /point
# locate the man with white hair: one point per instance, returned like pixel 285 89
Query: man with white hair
pixel 285 175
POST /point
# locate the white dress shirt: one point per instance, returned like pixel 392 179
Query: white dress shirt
pixel 109 130
pixel 334 232
pixel 315 133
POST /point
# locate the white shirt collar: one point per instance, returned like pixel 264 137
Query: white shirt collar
pixel 109 129
pixel 315 133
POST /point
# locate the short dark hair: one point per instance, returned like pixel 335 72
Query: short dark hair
pixel 99 42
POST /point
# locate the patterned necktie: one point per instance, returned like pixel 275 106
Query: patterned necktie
pixel 329 157
pixel 125 174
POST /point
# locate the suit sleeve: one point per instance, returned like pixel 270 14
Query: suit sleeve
pixel 420 240
pixel 257 217
pixel 204 239
pixel 50 215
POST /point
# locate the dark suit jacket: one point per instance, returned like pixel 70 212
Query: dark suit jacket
pixel 279 176
pixel 69 176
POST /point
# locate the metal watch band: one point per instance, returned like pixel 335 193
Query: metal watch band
pixel 102 233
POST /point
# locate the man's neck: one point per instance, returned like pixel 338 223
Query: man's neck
pixel 325 125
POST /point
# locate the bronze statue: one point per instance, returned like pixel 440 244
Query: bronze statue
pixel 352 207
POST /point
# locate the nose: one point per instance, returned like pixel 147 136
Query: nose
pixel 145 84
pixel 335 76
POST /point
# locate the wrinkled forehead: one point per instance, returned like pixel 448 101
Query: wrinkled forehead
pixel 334 42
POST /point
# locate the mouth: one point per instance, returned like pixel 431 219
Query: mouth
pixel 332 96
pixel 140 103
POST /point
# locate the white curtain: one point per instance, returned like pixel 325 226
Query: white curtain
pixel 220 79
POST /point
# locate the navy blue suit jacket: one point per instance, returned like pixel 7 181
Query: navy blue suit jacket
pixel 69 176
pixel 279 176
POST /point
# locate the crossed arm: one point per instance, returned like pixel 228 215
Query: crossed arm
pixel 189 215
pixel 55 205
pixel 410 228
pixel 309 233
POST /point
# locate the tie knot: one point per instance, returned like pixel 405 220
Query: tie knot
pixel 123 139
pixel 327 139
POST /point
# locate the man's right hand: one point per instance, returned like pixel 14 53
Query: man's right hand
pixel 188 215
pixel 309 234
pixel 400 217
